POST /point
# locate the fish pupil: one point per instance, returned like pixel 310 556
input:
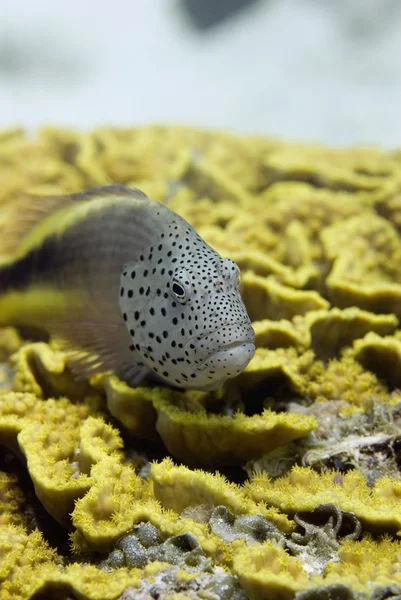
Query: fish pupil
pixel 178 290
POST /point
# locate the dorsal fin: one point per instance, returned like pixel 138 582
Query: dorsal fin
pixel 27 210
pixel 20 216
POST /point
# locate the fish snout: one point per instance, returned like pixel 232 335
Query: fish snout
pixel 229 348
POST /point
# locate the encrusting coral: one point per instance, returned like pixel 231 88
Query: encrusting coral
pixel 286 482
pixel 11 501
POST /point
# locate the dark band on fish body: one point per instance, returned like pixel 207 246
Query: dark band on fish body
pixel 40 263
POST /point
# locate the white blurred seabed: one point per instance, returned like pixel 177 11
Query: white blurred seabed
pixel 321 70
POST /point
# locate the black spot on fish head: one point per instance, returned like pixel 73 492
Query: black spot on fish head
pixel 136 294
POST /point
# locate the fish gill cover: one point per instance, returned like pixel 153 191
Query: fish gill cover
pixel 283 484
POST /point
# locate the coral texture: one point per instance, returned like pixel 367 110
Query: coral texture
pixel 284 484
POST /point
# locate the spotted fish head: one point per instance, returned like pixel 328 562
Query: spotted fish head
pixel 183 309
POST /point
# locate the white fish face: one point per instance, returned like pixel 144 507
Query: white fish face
pixel 183 309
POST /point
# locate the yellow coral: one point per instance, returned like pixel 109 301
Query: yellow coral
pixel 382 356
pixel 266 298
pixel 267 572
pixel 378 508
pixel 12 501
pixel 117 500
pixel 207 179
pixel 195 487
pixel 84 580
pixel 48 434
pixel 43 371
pixel 335 169
pixel 131 406
pixel 327 331
pixel 10 342
pixel 285 364
pixel 97 441
pixel 366 565
pixel 48 579
pixel 366 270
pixel 281 334
pixel 387 202
pixel 344 379
pixel 53 467
pixel 310 227
pixel 177 488
pixel 209 439
pixel 21 552
pixel 332 330
pixel 19 410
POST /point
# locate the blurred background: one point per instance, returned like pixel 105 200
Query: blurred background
pixel 320 70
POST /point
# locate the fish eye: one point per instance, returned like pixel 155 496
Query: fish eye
pixel 239 278
pixel 178 290
pixel 180 287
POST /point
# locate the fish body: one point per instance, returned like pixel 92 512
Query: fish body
pixel 128 285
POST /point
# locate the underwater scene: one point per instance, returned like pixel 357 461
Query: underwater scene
pixel 265 465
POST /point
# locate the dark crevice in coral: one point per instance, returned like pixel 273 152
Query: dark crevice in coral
pixel 345 525
pixel 36 335
pixel 31 334
pixel 69 153
pixel 55 591
pixel 336 591
pixel 383 209
pixel 384 366
pixel 395 451
pixel 274 392
pixel 388 592
pixel 339 463
pixel 254 403
pixel 152 449
pixel 48 390
pixel 374 460
pixel 233 474
pixel 54 534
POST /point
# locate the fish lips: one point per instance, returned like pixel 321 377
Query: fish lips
pixel 234 342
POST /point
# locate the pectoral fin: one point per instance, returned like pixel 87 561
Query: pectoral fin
pixel 96 347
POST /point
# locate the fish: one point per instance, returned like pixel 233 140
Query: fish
pixel 124 284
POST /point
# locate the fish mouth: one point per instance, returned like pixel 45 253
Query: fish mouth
pixel 234 345
pixel 243 327
pixel 244 349
pixel 232 357
pixel 241 340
